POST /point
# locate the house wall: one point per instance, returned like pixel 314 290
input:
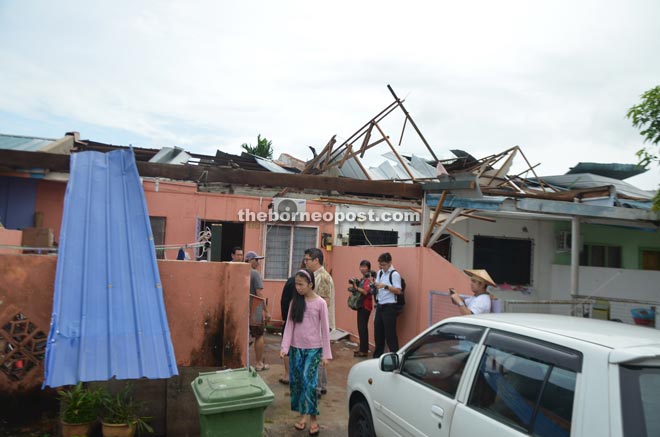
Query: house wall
pixel 50 201
pixel 406 229
pixel 541 232
pixel 205 305
pixel 422 268
pixel 182 206
pixel 11 238
pixel 551 268
pixel 632 241
pixel 607 282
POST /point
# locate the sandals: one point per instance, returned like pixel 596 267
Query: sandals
pixel 300 426
pixel 283 381
pixel 315 430
pixel 262 368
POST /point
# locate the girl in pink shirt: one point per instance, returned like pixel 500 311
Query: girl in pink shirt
pixel 306 340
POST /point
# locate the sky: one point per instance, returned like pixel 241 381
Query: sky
pixel 553 77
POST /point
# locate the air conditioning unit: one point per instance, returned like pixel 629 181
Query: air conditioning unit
pixel 289 210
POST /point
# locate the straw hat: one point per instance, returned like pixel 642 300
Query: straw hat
pixel 482 275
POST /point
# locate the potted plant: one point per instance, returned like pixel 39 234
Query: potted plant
pixel 122 415
pixel 79 410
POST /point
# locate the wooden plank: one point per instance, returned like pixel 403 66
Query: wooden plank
pixel 412 122
pixel 456 234
pixel 349 149
pixel 364 170
pixel 20 159
pixel 328 153
pixel 405 167
pixel 438 208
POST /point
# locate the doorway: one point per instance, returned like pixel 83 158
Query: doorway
pixel 224 237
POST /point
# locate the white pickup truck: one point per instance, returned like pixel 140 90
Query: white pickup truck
pixel 512 375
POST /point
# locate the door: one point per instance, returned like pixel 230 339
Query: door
pixel 419 400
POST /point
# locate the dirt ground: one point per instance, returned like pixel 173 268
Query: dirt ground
pixel 333 407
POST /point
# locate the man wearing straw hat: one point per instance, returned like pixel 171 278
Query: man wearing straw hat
pixel 481 302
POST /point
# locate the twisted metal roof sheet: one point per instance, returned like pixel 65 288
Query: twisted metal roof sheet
pixel 108 315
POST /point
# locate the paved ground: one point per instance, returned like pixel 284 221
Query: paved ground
pixel 333 408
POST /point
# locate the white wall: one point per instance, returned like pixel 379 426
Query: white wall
pixel 406 229
pixel 605 282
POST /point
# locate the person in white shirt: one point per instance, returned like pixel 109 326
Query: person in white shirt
pixel 388 283
pixel 480 303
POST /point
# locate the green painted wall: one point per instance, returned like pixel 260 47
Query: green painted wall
pixel 630 240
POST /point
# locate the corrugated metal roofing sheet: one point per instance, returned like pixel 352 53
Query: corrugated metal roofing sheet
pixel 588 180
pixel 108 311
pixel 27 144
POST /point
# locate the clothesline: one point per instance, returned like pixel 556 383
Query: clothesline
pixel 158 247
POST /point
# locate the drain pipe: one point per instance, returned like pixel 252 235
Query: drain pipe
pixel 575 255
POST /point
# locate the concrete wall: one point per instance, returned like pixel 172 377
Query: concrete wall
pixel 11 238
pixel 605 282
pixel 632 242
pixel 407 230
pixel 50 201
pixel 423 269
pixel 206 306
pixel 541 233
pixel 182 206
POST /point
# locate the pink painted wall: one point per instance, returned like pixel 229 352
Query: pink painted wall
pixel 422 268
pixel 182 206
pixel 50 201
pixel 12 238
pixel 206 309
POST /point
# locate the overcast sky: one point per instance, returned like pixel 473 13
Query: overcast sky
pixel 555 77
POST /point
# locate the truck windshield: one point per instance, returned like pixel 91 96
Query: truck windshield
pixel 640 400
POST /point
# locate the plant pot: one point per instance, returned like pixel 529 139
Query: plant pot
pixel 75 429
pixel 118 429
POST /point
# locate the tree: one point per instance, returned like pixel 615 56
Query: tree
pixel 646 117
pixel 263 148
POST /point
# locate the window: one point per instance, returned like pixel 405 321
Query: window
pixel 158 231
pixel 285 249
pixel 650 259
pixel 640 400
pixel 372 237
pixel 438 358
pixel 527 385
pixel 506 259
pixel 594 255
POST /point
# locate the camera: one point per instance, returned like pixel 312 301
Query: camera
pixel 373 289
pixel 354 285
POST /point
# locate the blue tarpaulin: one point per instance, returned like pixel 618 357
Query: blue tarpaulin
pixel 108 315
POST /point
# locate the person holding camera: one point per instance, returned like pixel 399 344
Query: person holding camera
pixel 362 286
pixel 387 287
pixel 480 303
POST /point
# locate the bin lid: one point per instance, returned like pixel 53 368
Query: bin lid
pixel 230 389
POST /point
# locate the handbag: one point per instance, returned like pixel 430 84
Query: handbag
pixel 355 300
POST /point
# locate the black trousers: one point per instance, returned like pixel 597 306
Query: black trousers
pixel 363 328
pixel 385 329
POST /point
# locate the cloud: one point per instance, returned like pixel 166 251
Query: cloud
pixel 553 77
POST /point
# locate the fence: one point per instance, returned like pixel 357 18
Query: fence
pixel 620 310
pixel 568 307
